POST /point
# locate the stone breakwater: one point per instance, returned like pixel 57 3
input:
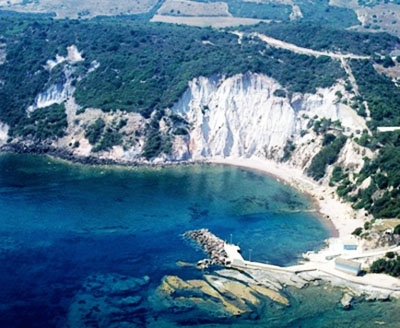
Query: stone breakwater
pixel 211 244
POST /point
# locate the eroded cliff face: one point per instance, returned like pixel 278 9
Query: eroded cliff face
pixel 242 116
pixel 3 133
pixel 62 89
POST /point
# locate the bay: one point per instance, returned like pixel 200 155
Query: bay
pixel 63 224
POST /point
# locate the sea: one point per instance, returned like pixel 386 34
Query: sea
pixel 76 240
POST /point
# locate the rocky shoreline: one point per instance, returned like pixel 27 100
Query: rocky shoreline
pixel 68 155
pixel 62 153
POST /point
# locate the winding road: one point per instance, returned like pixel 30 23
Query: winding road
pixel 305 51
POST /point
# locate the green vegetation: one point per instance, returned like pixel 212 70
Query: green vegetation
pixel 93 132
pixel 323 125
pixel 239 8
pixel 357 231
pixel 389 265
pixel 342 182
pixel 386 61
pixel 382 197
pixel 324 37
pixel 322 13
pixel 288 150
pixel 327 156
pixel 280 93
pixel 44 123
pixel 144 69
pixel 103 136
pixel 380 92
pixel 149 67
pixel 338 175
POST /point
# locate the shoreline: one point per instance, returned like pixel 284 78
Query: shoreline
pixel 338 217
pixel 333 212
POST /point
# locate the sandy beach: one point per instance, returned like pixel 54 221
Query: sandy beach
pixel 331 208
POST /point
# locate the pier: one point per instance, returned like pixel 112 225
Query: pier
pixel 229 255
pixel 236 261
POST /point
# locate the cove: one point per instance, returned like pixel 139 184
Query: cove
pixel 62 224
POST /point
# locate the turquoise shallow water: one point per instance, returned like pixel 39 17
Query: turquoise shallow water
pixel 63 224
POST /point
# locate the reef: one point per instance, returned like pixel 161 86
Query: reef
pixel 224 294
pixel 109 300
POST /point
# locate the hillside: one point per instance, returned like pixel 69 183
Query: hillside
pixel 160 93
pixel 363 15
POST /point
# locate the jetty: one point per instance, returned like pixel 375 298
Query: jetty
pixel 344 268
pixel 211 244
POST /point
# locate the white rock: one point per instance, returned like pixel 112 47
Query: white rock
pixel 240 117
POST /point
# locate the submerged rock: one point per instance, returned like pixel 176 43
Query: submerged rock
pixel 109 300
pixel 217 296
pixel 183 295
pixel 271 294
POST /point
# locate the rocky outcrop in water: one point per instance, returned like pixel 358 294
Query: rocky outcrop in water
pixel 211 244
pixel 346 301
pixel 221 295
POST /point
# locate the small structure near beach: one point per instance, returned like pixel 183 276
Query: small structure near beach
pixel 348 266
pixel 350 244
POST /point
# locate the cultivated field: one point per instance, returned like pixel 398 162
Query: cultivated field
pixel 79 8
pixel 193 8
pixel 379 18
pixel 204 21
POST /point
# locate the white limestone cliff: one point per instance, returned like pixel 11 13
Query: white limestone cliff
pixel 3 133
pixel 61 90
pixel 241 117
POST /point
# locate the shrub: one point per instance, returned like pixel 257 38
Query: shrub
pixel 94 132
pixel 153 145
pixel 390 255
pixel 367 225
pixel 280 93
pixel 44 123
pixel 328 155
pixel 181 131
pixel 391 265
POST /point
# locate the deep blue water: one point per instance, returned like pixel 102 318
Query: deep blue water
pixel 62 224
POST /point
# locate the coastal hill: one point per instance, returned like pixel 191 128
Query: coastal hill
pixel 322 99
pixel 363 15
